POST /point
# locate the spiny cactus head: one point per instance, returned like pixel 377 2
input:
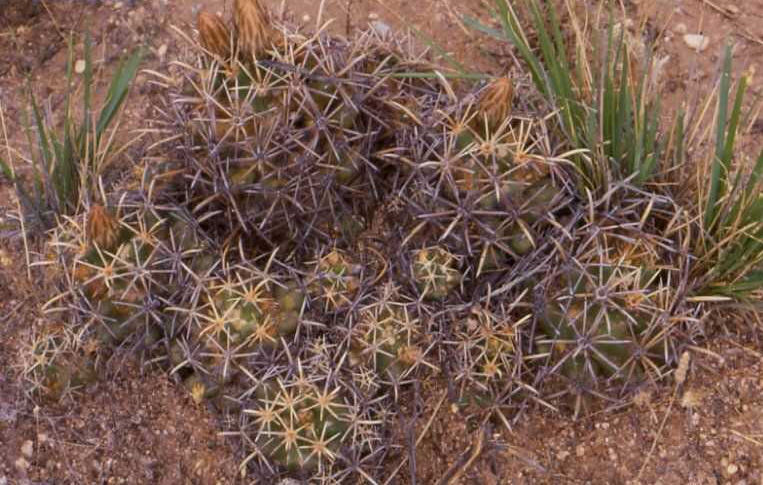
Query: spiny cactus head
pixel 603 332
pixel 251 312
pixel 301 427
pixel 56 362
pixel 335 281
pixel 435 273
pixel 389 338
pixel 488 353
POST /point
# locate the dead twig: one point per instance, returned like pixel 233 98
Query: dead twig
pixel 725 11
pixel 746 437
pixel 466 460
pixel 53 19
pixel 18 202
pixel 418 440
pixel 680 376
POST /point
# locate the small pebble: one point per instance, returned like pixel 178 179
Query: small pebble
pixel 680 28
pixel 5 259
pixel 697 42
pixel 79 66
pixel 306 18
pixel 27 449
pixel 288 481
pixel 21 464
pixel 381 28
pixel 373 16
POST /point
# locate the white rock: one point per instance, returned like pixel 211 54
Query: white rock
pixel 697 42
pixel 21 464
pixel 79 66
pixel 381 28
pixel 27 449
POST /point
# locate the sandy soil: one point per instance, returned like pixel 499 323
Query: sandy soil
pixel 138 427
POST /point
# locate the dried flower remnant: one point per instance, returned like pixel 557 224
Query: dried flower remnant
pixel 102 227
pixel 252 27
pixel 214 35
pixel 495 102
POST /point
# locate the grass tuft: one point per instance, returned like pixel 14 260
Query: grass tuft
pixel 68 159
pixel 604 102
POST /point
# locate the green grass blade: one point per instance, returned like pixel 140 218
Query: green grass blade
pixel 717 175
pixel 435 75
pixel 516 36
pixel 117 92
pixel 479 26
pixel 42 136
pixel 86 93
pixel 736 113
pixel 5 167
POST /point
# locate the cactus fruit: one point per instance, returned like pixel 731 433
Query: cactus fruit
pixel 103 228
pixel 494 105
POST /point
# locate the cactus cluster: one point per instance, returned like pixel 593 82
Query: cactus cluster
pixel 611 308
pixel 320 228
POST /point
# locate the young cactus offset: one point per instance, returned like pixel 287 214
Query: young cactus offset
pixel 252 312
pixel 389 338
pixel 304 424
pixel 487 341
pixel 610 315
pixel 335 281
pixel 435 272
